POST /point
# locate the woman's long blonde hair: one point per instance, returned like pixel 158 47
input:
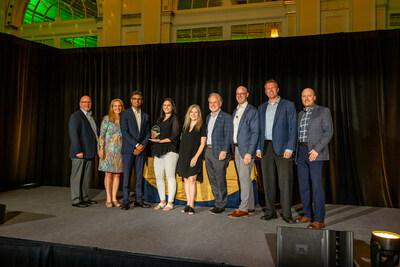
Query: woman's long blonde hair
pixel 186 124
pixel 111 114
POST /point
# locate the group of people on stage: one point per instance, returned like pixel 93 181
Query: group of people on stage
pixel 273 133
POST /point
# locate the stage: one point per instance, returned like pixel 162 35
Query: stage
pixel 45 214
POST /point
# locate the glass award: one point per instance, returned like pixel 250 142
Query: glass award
pixel 155 129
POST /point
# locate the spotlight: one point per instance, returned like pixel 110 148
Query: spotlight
pixel 385 249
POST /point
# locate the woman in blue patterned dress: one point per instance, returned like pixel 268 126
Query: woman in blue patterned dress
pixel 110 141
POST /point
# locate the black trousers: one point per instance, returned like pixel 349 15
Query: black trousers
pixel 275 168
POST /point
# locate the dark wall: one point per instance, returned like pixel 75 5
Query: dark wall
pixel 354 74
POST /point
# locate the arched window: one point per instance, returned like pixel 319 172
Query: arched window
pixel 39 11
pixel 54 11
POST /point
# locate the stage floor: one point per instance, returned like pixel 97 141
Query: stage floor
pixel 45 214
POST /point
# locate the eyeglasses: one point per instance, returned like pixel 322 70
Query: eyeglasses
pixel 86 102
pixel 135 98
pixel 241 93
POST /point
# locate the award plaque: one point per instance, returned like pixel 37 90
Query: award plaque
pixel 155 129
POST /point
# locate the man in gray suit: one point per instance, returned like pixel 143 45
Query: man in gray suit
pixel 219 138
pixel 315 130
pixel 83 133
pixel 245 139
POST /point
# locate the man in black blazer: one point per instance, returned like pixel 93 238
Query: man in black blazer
pixel 219 139
pixel 135 128
pixel 83 133
pixel 315 130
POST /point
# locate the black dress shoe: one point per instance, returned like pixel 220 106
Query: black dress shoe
pixel 125 206
pixel 141 204
pixel 80 205
pixel 268 217
pixel 89 201
pixel 218 210
pixel 212 210
pixel 288 219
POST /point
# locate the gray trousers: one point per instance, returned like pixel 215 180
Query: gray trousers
pixel 246 185
pixel 273 167
pixel 81 172
pixel 216 171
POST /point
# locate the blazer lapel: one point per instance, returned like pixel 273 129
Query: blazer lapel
pixel 243 117
pixel 313 116
pixel 278 110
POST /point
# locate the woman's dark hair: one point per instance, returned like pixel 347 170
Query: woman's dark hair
pixel 162 113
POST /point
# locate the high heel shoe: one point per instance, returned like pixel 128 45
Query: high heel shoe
pixel 109 204
pixel 160 206
pixel 186 209
pixel 191 211
pixel 116 204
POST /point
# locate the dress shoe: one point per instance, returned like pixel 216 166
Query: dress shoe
pixel 141 204
pixel 80 205
pixel 89 201
pixel 268 217
pixel 251 212
pixel 238 214
pixel 288 219
pixel 303 219
pixel 211 210
pixel 316 225
pixel 125 206
pixel 218 210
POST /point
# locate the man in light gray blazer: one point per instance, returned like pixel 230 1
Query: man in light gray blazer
pixel 315 130
pixel 245 139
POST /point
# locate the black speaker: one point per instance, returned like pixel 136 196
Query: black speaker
pixel 309 247
pixel 2 213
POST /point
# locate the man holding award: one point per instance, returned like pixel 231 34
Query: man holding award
pixel 135 127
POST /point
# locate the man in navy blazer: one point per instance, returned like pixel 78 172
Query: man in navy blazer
pixel 245 139
pixel 275 147
pixel 135 128
pixel 219 138
pixel 315 130
pixel 83 133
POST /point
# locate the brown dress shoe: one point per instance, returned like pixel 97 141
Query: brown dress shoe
pixel 303 219
pixel 316 225
pixel 251 212
pixel 238 214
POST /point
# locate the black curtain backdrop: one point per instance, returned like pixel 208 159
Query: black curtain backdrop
pixel 354 74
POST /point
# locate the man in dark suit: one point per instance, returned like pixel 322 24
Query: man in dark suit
pixel 275 147
pixel 315 130
pixel 245 139
pixel 219 138
pixel 83 133
pixel 135 128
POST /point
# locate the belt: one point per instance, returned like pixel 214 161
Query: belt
pixel 235 144
pixel 209 146
pixel 303 144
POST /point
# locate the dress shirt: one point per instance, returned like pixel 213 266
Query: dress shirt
pixel 138 117
pixel 210 127
pixel 92 123
pixel 269 118
pixel 236 120
pixel 305 120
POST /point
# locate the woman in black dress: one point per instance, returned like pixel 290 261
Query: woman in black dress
pixel 190 161
pixel 166 153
